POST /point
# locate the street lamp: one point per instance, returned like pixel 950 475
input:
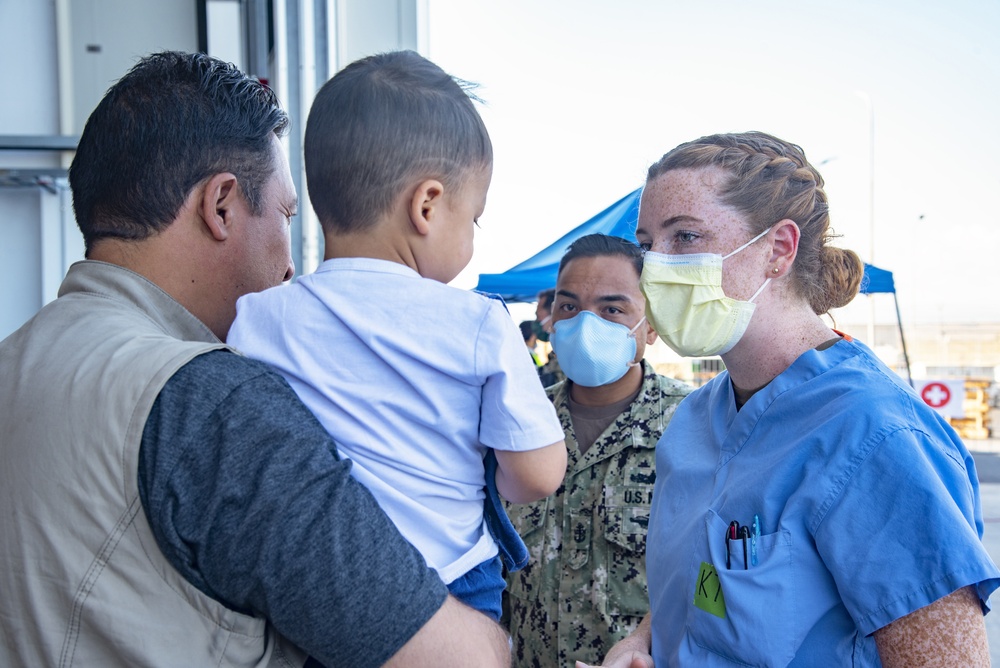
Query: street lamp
pixel 871 205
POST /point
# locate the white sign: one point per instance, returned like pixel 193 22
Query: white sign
pixel 944 396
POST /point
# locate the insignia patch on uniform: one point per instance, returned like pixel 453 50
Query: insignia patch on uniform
pixel 635 495
pixel 708 591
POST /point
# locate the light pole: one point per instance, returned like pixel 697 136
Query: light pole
pixel 871 206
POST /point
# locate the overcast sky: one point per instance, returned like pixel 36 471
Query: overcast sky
pixel 581 96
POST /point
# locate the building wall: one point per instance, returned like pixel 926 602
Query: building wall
pixel 86 45
pixel 30 107
pixel 940 351
pixel 62 55
pixel 943 350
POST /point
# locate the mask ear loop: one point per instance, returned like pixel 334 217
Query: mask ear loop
pixel 726 257
pixel 759 290
pixel 631 333
pixel 767 280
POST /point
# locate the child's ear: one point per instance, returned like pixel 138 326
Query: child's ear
pixel 424 204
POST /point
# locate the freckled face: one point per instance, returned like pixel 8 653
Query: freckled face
pixel 680 213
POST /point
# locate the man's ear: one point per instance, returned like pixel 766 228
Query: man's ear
pixel 784 247
pixel 651 334
pixel 217 201
pixel 424 203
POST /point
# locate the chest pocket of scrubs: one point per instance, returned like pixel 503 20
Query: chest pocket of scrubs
pixel 628 492
pixel 529 519
pixel 759 626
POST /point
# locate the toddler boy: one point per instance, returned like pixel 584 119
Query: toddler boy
pixel 415 379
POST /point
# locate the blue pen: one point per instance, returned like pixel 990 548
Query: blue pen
pixel 753 539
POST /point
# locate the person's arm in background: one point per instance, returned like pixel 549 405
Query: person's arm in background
pixel 948 632
pixel 250 502
pixel 632 651
pixel 946 568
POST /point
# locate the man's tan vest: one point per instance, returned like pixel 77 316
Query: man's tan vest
pixel 82 581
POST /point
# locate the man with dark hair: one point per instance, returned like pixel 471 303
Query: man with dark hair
pixel 584 587
pixel 549 373
pixel 163 500
pixel 530 339
pixel 543 309
pixel 133 171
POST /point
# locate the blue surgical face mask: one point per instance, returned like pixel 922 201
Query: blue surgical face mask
pixel 593 351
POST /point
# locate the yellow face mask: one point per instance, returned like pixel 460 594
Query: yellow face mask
pixel 687 307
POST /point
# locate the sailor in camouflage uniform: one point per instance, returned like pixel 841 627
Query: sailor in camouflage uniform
pixel 584 587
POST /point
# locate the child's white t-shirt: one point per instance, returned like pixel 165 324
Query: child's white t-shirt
pixel 414 379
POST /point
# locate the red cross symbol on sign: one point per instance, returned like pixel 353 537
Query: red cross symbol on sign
pixel 936 395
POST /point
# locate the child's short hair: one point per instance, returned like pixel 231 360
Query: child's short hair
pixel 381 122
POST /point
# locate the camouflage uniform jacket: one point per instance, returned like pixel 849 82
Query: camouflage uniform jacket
pixel 550 372
pixel 584 587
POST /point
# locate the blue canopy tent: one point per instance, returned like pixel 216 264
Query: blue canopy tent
pixel 523 282
pixel 878 280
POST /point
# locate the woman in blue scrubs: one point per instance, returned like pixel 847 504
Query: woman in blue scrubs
pixel 809 509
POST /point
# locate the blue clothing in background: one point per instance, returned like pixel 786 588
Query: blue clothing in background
pixel 867 503
pixel 482 587
pixel 513 551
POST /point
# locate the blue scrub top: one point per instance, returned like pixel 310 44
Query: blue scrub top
pixel 867 504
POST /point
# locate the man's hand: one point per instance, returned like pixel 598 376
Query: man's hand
pixel 631 651
pixel 629 660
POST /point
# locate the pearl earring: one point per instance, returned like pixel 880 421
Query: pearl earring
pixel 774 270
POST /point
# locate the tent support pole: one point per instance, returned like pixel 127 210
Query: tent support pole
pixel 899 321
